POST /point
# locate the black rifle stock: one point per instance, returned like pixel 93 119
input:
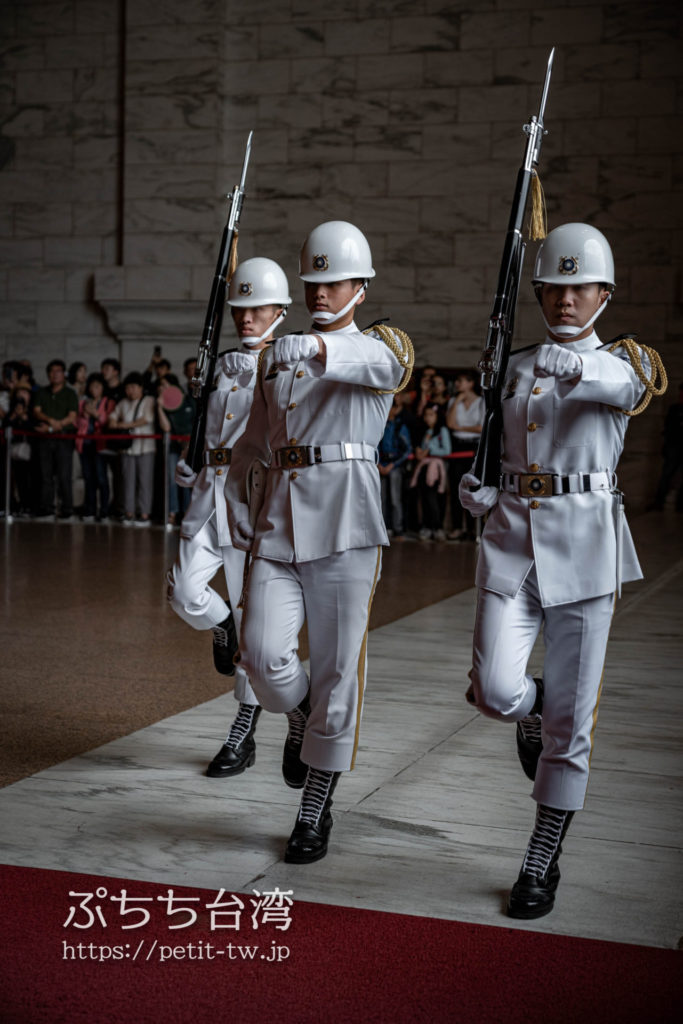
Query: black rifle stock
pixel 494 360
pixel 208 347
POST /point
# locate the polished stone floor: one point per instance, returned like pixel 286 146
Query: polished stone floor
pixel 436 815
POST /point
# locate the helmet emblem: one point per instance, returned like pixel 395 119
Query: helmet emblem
pixel 246 288
pixel 568 265
pixel 321 262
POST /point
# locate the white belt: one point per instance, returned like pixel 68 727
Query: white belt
pixel 314 454
pixel 547 485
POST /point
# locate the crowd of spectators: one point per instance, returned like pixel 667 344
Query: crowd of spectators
pixel 429 441
pixel 117 440
pixel 114 442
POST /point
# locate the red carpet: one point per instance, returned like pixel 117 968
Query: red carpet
pixel 330 966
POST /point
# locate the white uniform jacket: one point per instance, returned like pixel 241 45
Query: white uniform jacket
pixel 226 418
pixel 317 510
pixel 561 428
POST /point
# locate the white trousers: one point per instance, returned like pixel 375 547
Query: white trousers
pixel 191 597
pixel 575 638
pixel 334 595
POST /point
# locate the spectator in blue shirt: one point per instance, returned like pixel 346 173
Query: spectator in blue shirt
pixel 394 449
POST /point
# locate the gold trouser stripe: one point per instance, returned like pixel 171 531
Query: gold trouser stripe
pixel 597 703
pixel 361 660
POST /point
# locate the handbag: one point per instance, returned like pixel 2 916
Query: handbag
pixel 122 444
pixel 21 450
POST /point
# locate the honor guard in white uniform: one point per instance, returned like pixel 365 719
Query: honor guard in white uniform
pixel 319 411
pixel 556 546
pixel 258 296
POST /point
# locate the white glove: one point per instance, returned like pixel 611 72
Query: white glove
pixel 242 534
pixel 476 502
pixel 291 348
pixel 233 363
pixel 185 476
pixel 558 362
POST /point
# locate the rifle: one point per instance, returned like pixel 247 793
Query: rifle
pixel 202 380
pixel 494 360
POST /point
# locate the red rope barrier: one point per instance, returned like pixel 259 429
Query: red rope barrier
pixel 73 436
pixel 157 437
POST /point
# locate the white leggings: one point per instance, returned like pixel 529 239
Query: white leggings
pixel 191 597
pixel 575 638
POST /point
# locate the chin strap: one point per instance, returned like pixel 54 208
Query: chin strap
pixel 249 343
pixel 321 317
pixel 569 330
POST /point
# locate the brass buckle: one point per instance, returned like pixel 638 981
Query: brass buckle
pixel 536 485
pixel 292 457
pixel 220 457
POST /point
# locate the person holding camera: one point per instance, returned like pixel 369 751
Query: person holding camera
pixel 135 414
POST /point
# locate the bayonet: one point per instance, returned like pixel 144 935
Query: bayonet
pixel 208 346
pixel 494 360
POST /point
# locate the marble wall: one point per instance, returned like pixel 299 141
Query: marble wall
pixel 59 175
pixel 124 121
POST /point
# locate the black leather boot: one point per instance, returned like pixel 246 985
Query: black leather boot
pixel 293 768
pixel 309 838
pixel 225 646
pixel 239 750
pixel 529 742
pixel 533 894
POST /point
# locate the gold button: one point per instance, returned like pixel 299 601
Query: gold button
pixel 532 427
pixel 292 405
pixel 234 388
pixel 219 472
pixel 293 476
pixel 301 373
pixel 223 444
pixel 229 416
pixel 534 467
pixel 535 504
pixel 293 440
pixel 537 391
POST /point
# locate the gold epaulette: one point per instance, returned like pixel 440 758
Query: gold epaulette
pixel 657 371
pixel 402 347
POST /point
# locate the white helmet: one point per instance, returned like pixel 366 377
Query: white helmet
pixel 335 251
pixel 574 254
pixel 258 282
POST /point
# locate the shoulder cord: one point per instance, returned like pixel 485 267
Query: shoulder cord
pixel 652 390
pixel 402 349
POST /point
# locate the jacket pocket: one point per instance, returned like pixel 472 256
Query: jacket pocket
pixel 575 424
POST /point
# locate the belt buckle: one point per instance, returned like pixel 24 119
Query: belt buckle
pixel 536 485
pixel 292 457
pixel 220 457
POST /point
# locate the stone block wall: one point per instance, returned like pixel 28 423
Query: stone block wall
pixel 124 122
pixel 59 176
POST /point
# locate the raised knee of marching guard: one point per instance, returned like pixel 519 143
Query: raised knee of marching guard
pixel 491 698
pixel 177 591
pixel 279 683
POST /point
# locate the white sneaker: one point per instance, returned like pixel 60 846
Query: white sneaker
pixel 425 534
pixel 142 522
pixel 439 535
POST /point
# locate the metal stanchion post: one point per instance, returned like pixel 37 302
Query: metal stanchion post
pixel 8 474
pixel 167 452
